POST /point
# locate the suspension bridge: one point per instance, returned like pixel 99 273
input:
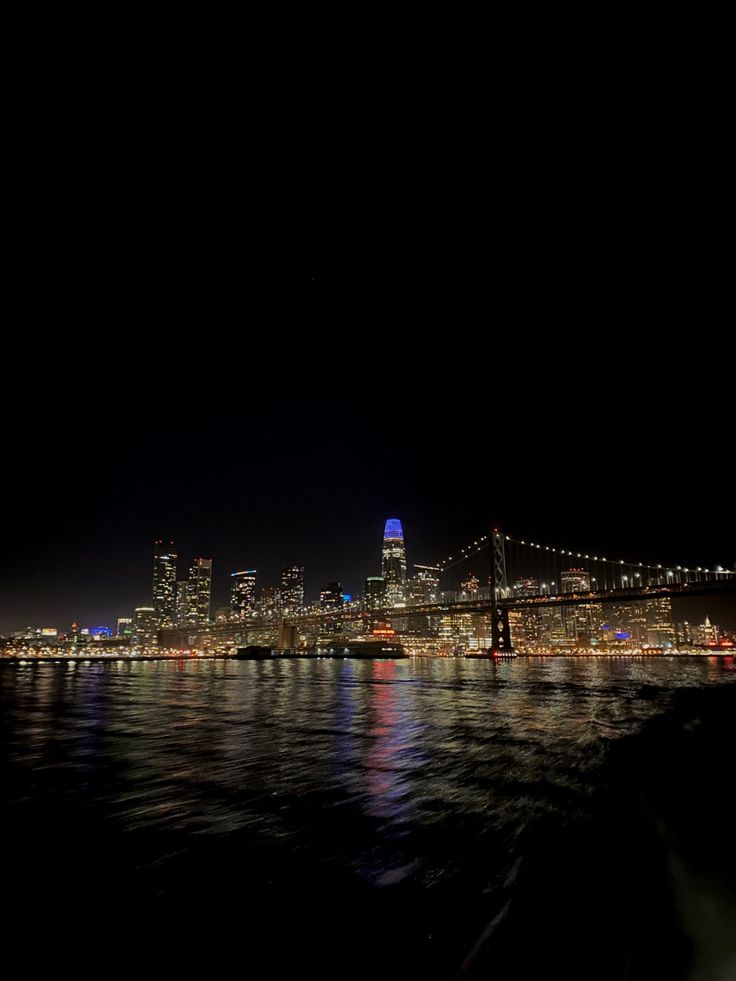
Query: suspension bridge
pixel 522 575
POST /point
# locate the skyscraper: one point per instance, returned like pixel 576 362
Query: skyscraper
pixel 268 601
pixel 374 592
pixel 164 583
pixel 183 600
pixel 393 561
pixel 292 588
pixel 424 587
pixel 577 620
pixel 331 596
pixel 660 629
pixel 145 626
pixel 200 591
pixel 243 594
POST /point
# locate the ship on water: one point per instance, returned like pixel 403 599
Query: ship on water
pixel 370 648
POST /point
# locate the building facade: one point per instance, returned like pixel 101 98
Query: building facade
pixel 243 594
pixel 393 561
pixel 164 583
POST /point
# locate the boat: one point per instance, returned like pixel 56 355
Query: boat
pixel 252 653
pixel 361 648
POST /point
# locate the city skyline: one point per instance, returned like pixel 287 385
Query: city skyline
pixel 189 603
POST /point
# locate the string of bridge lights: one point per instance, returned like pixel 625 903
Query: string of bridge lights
pixel 485 540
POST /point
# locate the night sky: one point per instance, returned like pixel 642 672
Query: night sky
pixel 266 385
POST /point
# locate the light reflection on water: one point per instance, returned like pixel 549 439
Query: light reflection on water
pixel 416 774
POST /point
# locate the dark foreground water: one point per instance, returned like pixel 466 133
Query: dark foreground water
pixel 427 818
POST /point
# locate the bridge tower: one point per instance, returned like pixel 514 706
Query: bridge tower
pixel 500 629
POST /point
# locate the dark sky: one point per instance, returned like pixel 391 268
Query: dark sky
pixel 266 376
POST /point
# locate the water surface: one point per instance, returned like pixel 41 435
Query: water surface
pixel 424 817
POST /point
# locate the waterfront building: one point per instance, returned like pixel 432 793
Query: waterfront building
pixel 660 627
pixel 145 626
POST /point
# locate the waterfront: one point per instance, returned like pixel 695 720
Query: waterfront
pixel 390 818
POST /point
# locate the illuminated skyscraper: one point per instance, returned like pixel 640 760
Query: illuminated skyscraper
pixel 200 591
pixel 145 626
pixel 268 602
pixel 577 620
pixel 164 583
pixel 292 588
pixel 424 587
pixel 393 564
pixel 660 628
pixel 243 595
pixel 374 592
pixel 183 599
pixel 331 596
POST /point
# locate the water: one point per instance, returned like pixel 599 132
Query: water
pixel 428 818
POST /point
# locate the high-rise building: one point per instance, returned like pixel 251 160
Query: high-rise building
pixel 183 600
pixel 268 601
pixel 200 591
pixel 660 628
pixel 292 588
pixel 164 583
pixel 243 594
pixel 374 592
pixel 393 561
pixel 424 586
pixel 125 626
pixel 145 626
pixel 577 620
pixel 330 597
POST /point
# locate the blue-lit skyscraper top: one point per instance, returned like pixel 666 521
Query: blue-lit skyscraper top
pixel 393 530
pixel 393 561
